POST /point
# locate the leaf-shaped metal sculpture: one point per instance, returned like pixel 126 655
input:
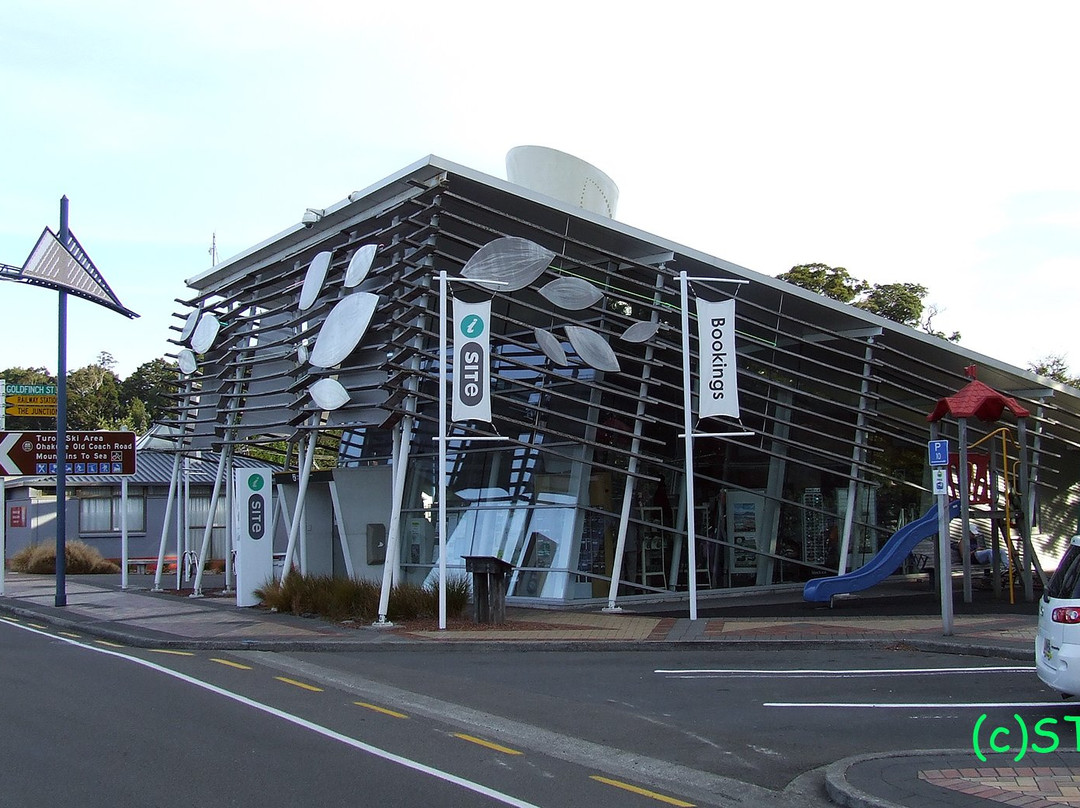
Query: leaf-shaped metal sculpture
pixel 187 362
pixel 205 333
pixel 303 354
pixel 592 348
pixel 551 347
pixel 189 325
pixel 640 332
pixel 572 293
pixel 328 394
pixel 343 329
pixel 516 262
pixel 314 279
pixel 360 265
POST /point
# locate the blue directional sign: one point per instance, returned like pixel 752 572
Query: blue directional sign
pixel 939 452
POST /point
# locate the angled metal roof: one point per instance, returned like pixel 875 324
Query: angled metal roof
pixel 825 360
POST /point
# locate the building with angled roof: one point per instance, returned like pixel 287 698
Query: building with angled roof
pixel 328 333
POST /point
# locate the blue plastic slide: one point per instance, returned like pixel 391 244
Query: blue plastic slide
pixel 882 565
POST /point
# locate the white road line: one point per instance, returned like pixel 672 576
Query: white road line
pixel 704 673
pixel 965 705
pixel 506 799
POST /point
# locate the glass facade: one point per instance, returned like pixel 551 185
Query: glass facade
pixel 585 483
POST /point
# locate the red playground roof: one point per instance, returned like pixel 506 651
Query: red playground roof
pixel 978 400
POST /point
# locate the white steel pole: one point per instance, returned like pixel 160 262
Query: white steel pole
pixel 173 480
pixel 442 449
pixel 181 552
pixel 3 493
pixel 181 526
pixel 301 495
pixel 123 532
pixel 944 553
pixel 3 529
pixel 230 527
pixel 691 539
pixel 208 528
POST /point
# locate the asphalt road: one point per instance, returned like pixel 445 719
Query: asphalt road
pixel 762 717
pixel 91 724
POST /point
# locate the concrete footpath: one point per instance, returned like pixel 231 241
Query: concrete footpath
pixel 98 607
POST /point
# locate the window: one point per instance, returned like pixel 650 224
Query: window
pixel 1066 580
pixel 100 510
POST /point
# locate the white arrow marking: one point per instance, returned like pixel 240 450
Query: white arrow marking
pixel 7 465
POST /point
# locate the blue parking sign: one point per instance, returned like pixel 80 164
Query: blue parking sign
pixel 939 452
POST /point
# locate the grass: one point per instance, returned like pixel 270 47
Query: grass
pixel 340 599
pixel 79 559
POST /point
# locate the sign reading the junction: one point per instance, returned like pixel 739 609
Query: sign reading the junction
pixel 88 453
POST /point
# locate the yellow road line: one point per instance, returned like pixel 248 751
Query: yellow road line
pixel 37 625
pixel 231 664
pixel 69 634
pixel 170 651
pixel 9 619
pixel 642 791
pixel 288 681
pixel 379 709
pixel 506 750
pixel 110 644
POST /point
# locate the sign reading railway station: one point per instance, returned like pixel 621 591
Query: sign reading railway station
pixel 87 453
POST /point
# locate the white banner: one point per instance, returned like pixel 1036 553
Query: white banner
pixel 472 362
pixel 718 386
pixel 254 544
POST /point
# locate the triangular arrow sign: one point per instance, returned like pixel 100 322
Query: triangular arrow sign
pixel 67 267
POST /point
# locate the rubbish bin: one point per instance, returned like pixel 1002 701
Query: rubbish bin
pixel 490 577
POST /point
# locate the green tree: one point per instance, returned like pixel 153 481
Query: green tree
pixel 152 384
pixel 834 282
pixel 1054 366
pixel 94 398
pixel 900 302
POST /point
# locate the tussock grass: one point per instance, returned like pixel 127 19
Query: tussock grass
pixel 79 559
pixel 344 598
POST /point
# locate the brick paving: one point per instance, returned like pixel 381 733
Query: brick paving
pixel 1030 787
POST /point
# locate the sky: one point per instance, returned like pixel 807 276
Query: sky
pixel 922 142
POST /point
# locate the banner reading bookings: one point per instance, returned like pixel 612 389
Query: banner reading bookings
pixel 718 387
pixel 472 362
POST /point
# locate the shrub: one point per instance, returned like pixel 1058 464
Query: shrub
pixel 344 598
pixel 79 559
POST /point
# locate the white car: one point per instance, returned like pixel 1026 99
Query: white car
pixel 1057 644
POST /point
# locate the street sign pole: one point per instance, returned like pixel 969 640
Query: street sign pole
pixel 938 451
pixel 61 263
pixel 61 428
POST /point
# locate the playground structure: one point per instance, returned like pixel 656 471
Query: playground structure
pixel 999 486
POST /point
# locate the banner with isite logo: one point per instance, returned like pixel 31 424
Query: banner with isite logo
pixel 252 504
pixel 718 387
pixel 472 362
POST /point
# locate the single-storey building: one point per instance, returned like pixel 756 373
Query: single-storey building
pixel 335 331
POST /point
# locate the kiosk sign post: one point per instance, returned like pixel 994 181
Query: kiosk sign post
pixel 938 455
pixel 252 506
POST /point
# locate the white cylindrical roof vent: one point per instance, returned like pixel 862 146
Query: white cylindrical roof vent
pixel 563 176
